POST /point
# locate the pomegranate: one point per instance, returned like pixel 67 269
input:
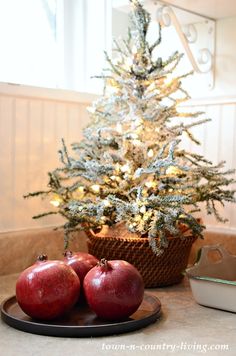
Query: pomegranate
pixel 113 289
pixel 81 263
pixel 48 289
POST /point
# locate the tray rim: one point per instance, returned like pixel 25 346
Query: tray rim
pixel 86 331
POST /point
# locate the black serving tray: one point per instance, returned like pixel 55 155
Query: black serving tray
pixel 81 321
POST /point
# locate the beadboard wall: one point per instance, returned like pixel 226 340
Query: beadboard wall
pixel 218 138
pixel 32 123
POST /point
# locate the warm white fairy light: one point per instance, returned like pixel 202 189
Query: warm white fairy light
pixel 56 201
pixel 106 203
pixel 80 189
pixel 138 121
pixel 150 184
pixel 134 49
pixel 150 153
pixel 125 168
pixel 119 128
pixel 145 192
pixel 79 193
pixel 127 177
pixel 168 80
pixel 137 142
pixel 117 167
pixel 152 86
pixel 128 63
pixel 139 218
pixel 147 215
pixel 134 136
pixel 173 171
pixel 91 109
pixel 143 209
pixel 96 188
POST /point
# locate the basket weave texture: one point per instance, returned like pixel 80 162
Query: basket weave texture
pixel 157 271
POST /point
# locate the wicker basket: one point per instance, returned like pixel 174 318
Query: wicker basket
pixel 157 271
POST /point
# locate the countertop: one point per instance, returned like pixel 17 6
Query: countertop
pixel 185 328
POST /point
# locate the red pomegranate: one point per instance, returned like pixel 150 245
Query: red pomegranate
pixel 48 289
pixel 81 262
pixel 114 289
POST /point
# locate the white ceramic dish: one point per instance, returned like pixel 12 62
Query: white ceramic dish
pixel 213 284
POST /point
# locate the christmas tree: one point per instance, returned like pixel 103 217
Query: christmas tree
pixel 130 167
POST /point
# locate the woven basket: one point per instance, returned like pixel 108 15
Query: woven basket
pixel 157 271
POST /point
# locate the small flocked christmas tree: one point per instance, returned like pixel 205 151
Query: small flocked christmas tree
pixel 129 167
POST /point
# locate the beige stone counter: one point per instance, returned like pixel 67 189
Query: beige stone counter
pixel 184 325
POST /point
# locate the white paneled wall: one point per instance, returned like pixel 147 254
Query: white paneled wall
pixel 218 138
pixel 31 129
pixel 32 125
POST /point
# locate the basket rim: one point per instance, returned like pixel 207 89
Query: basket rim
pixel 91 234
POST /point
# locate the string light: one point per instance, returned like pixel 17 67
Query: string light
pixel 138 121
pixel 91 109
pixel 152 86
pixel 125 168
pixel 56 201
pixel 79 193
pixel 117 167
pixel 134 50
pixel 106 203
pixel 119 128
pixel 173 171
pixel 128 63
pixel 96 188
pixel 111 86
pixel 145 192
pixel 150 153
pixel 146 216
pixel 150 184
pixel 168 80
pixel 137 142
pixel 134 136
pixel 143 209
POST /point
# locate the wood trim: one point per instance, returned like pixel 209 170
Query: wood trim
pixel 18 90
pixel 216 100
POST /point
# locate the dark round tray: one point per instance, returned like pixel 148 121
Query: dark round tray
pixel 81 321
